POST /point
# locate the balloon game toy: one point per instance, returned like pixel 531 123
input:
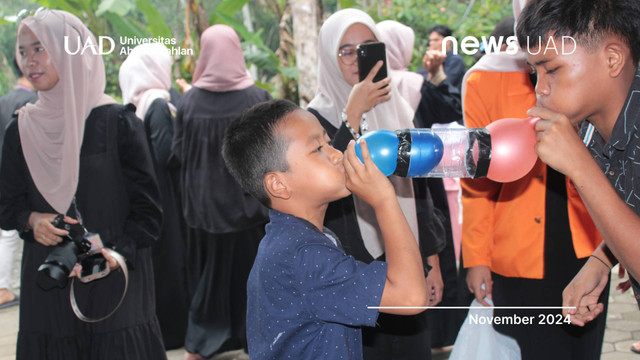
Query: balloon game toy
pixel 503 151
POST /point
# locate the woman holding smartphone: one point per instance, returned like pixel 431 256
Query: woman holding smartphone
pixel 347 107
pixel 78 153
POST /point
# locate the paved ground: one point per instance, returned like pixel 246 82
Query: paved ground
pixel 623 328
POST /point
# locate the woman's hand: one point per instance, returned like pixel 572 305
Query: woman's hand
pixel 367 94
pixel 43 230
pixel 184 85
pixel 113 264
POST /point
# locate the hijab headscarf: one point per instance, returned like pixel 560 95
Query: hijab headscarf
pixel 221 66
pixel 331 98
pixel 51 130
pixel 398 39
pixel 146 76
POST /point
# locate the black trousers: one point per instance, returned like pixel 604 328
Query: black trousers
pixel 542 340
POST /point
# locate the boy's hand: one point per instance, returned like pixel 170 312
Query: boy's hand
pixel 365 180
pixel 584 291
pixel 558 143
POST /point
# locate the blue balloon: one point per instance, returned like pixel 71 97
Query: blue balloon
pixel 426 152
pixel 383 148
pixel 418 150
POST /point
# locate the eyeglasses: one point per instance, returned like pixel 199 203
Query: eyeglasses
pixel 347 55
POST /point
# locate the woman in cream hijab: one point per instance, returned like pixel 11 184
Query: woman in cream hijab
pixel 225 224
pixel 342 100
pixel 145 80
pixel 75 152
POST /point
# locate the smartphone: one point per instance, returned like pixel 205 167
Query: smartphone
pixel 368 55
pixel 94 267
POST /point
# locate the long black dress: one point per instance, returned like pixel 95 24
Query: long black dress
pixel 117 197
pixel 225 224
pixel 395 336
pixel 168 253
pixel 441 104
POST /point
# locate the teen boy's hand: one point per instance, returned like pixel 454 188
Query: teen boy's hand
pixel 558 143
pixel 365 180
pixel 584 291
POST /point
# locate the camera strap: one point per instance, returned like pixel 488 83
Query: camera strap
pixel 77 214
pixel 74 305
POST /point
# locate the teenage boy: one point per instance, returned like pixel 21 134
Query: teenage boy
pixel 306 297
pixel 598 82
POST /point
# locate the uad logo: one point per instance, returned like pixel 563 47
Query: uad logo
pixel 89 45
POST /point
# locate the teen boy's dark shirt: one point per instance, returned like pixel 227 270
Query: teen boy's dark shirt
pixel 306 299
pixel 619 158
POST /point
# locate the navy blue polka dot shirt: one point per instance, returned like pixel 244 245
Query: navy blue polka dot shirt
pixel 306 299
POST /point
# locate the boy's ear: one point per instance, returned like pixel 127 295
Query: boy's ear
pixel 276 185
pixel 617 55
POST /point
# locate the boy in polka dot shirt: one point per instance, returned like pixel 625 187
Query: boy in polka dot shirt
pixel 306 298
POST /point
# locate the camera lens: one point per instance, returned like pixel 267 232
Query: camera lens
pixel 55 269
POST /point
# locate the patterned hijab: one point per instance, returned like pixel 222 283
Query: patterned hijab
pixel 331 97
pixel 51 130
pixel 221 66
pixel 146 76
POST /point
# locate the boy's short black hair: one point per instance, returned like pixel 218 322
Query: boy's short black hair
pixel 251 147
pixel 443 30
pixel 587 21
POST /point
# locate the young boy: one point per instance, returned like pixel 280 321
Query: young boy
pixel 306 297
pixel 591 74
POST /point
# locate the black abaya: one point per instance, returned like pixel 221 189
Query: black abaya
pixel 117 197
pixel 168 253
pixel 225 223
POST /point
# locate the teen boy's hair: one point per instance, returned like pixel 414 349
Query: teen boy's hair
pixel 587 21
pixel 251 148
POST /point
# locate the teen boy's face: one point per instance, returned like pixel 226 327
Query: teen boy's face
pixel 316 174
pixel 570 83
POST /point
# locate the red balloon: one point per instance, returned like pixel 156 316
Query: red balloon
pixel 512 148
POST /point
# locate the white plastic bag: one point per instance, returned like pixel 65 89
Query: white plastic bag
pixel 481 341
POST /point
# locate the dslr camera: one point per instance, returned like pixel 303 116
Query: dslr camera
pixel 76 247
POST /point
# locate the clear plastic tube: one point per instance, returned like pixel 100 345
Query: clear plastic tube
pixel 436 152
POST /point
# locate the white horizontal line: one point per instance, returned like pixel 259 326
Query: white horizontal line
pixel 472 307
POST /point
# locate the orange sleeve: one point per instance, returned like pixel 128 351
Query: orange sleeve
pixel 478 195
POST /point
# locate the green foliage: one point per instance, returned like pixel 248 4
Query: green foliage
pixel 8 29
pixel 115 18
pixel 420 15
pixel 153 18
pixel 256 51
pixel 226 9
